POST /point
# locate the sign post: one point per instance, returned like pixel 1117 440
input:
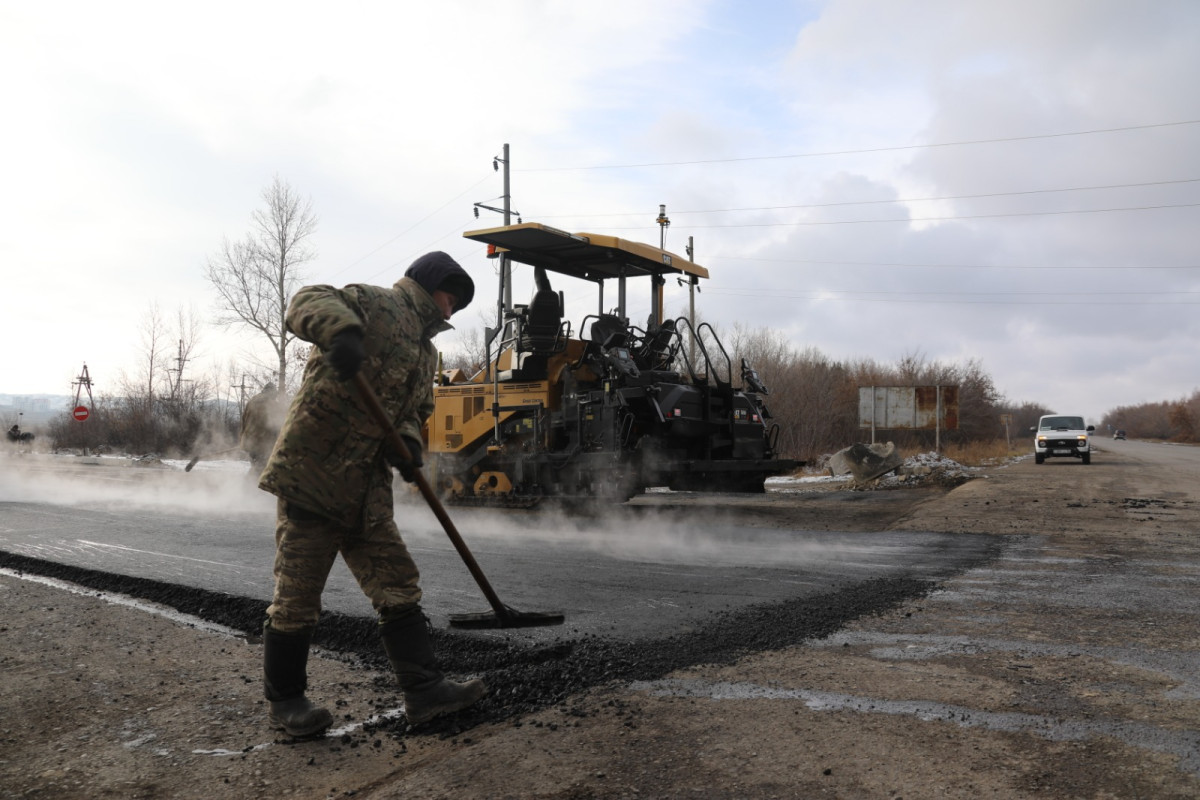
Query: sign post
pixel 84 381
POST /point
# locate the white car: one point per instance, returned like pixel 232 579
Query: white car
pixel 1062 436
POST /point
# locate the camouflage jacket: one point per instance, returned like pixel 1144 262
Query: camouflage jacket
pixel 330 453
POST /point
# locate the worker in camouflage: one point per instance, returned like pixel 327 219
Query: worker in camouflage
pixel 261 422
pixel 331 470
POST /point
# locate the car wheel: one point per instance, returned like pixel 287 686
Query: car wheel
pixel 1038 458
pixel 1087 458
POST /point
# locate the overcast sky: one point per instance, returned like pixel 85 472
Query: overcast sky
pixel 1016 182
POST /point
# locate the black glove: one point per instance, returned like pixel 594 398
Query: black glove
pixel 407 467
pixel 346 353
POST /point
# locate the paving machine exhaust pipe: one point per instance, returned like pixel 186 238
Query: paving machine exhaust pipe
pixel 501 616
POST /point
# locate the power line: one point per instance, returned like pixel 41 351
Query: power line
pixel 956 301
pixel 856 292
pixel 407 230
pixel 414 253
pixel 880 202
pixel 893 148
pixel 928 219
pixel 949 266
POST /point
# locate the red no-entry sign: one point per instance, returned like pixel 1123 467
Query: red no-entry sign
pixel 81 413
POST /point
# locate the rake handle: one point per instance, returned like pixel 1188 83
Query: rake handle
pixel 207 456
pixel 439 511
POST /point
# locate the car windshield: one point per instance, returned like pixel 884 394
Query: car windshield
pixel 1069 423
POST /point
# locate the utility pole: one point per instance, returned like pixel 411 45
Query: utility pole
pixel 505 267
pixel 505 300
pixel 174 385
pixel 691 254
pixel 84 381
pixel 663 223
pixel 241 394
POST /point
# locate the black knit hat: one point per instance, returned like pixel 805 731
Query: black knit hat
pixel 437 270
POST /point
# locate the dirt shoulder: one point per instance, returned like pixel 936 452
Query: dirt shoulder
pixel 1065 668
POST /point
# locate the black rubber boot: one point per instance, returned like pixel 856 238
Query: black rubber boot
pixel 427 692
pixel 285 674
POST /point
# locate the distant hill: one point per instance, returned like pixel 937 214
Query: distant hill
pixel 29 410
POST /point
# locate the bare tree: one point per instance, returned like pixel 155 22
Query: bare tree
pixel 142 388
pixel 298 355
pixel 134 411
pixel 256 277
pixel 187 328
pixel 469 353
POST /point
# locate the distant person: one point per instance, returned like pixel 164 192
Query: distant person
pixel 332 472
pixel 261 422
pixel 15 435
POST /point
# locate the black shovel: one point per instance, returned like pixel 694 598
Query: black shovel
pixel 501 616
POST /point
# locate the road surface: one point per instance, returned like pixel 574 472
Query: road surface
pixel 1062 665
pixel 640 571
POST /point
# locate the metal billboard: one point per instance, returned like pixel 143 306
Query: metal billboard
pixel 908 408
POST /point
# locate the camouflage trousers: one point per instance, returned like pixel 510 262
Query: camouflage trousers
pixel 305 548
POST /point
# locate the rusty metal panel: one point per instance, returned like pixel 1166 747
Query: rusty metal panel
pixel 949 408
pixel 908 407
